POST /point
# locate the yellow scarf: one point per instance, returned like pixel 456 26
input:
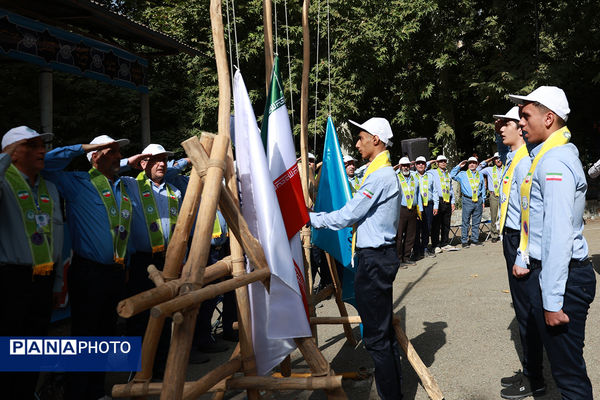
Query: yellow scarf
pixel 507 183
pixel 558 138
pixel 382 159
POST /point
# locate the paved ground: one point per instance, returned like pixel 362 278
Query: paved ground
pixel 457 312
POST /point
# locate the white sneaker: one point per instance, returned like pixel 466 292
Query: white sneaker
pixel 447 247
pixel 452 248
pixel 437 250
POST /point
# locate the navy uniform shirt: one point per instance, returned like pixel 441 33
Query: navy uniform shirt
pixel 556 204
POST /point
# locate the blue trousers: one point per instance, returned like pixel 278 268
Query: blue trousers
pixel 520 289
pixel 471 214
pixel 375 273
pixel 564 344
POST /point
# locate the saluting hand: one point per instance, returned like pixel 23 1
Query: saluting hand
pixel 556 318
pixel 134 161
pixel 10 149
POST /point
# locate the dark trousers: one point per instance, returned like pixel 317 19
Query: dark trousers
pixel 520 289
pixel 407 231
pixel 94 292
pixel 564 344
pixel 441 225
pixel 25 309
pixel 423 229
pixel 375 273
pixel 318 262
pixel 138 282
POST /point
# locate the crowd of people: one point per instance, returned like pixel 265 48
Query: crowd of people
pixel 537 201
pixel 117 224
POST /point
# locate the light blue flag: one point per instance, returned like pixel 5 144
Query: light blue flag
pixel 333 193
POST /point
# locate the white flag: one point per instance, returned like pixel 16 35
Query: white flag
pixel 280 315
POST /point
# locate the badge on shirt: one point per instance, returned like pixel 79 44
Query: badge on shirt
pixel 554 176
pixel 368 193
pixel 524 202
pixel 42 220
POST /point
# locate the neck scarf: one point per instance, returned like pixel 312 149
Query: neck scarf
pixel 507 183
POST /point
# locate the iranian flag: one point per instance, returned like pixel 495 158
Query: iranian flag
pixel 280 315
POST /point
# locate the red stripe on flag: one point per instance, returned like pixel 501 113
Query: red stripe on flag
pixel 291 200
pixel 302 287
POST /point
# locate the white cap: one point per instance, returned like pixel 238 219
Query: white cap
pixel 156 149
pixel 311 155
pixel 550 96
pixel 105 139
pixel 348 158
pixel 441 157
pixel 472 159
pixel 378 127
pixel 404 161
pixel 496 155
pixel 512 114
pixel 23 133
pixel 421 158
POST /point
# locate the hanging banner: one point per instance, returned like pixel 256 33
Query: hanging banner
pixel 47 46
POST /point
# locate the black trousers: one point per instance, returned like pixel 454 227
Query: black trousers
pixel 25 310
pixel 407 232
pixel 520 288
pixel 441 225
pixel 564 344
pixel 375 273
pixel 94 292
pixel 138 282
pixel 424 229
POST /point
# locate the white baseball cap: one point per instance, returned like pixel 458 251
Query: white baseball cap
pixel 156 149
pixel 421 158
pixel 378 127
pixel 311 155
pixel 441 157
pixel 496 155
pixel 348 158
pixel 472 159
pixel 404 161
pixel 550 96
pixel 512 114
pixel 23 133
pixel 102 139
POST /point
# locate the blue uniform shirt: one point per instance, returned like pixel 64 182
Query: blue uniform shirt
pixel 375 208
pixel 432 194
pixel 433 173
pixel 487 173
pixel 556 220
pixel 139 238
pixel 88 223
pixel 465 187
pixel 513 211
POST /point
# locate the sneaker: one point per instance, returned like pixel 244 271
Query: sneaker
pixel 495 240
pixel 523 389
pixel 447 247
pixel 429 253
pixel 452 248
pixel 477 244
pixel 437 250
pixel 403 265
pixel 511 380
pixel 465 245
pixel 410 263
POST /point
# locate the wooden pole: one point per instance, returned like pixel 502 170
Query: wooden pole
pixel 286 366
pixel 209 380
pixel 241 293
pixel 338 298
pixel 154 388
pixel 322 295
pixel 354 319
pixel 296 383
pixel 194 298
pixel 428 381
pixel 268 31
pixel 193 270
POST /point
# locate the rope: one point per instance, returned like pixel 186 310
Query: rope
pixel 317 75
pixel 328 62
pixel 287 37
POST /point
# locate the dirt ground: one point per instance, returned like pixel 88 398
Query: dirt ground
pixel 457 312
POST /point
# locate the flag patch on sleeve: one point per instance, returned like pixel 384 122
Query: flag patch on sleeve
pixel 554 176
pixel 368 193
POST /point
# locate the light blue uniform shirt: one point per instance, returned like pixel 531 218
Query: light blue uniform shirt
pixel 432 194
pixel 403 200
pixel 88 222
pixel 487 173
pixel 139 238
pixel 433 173
pixel 465 187
pixel 375 208
pixel 513 211
pixel 556 220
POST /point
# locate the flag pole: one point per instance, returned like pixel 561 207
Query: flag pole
pixel 268 32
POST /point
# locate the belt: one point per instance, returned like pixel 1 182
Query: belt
pixel 443 201
pixel 535 264
pixel 385 246
pixel 82 261
pixel 510 230
pixel 158 256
